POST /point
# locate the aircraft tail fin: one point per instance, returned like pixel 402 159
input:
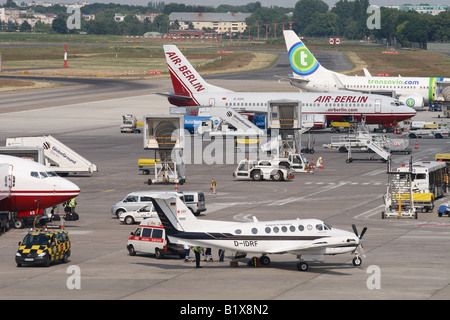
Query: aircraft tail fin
pixel 174 214
pixel 185 79
pixel 303 62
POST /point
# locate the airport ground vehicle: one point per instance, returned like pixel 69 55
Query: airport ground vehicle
pixel 150 237
pixel 136 200
pixel 261 170
pixel 50 152
pixel 444 209
pixel 137 216
pixel 296 162
pixel 195 201
pixel 130 124
pixel 437 130
pixel 44 246
pixel 428 177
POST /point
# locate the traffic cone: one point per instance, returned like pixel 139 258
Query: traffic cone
pixel 313 166
pixel 176 186
pixel 417 146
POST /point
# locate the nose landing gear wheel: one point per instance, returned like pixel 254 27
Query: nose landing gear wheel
pixel 302 266
pixel 357 261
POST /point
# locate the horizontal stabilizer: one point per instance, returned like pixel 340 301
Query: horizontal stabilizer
pixel 174 96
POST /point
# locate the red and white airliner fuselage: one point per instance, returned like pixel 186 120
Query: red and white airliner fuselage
pixel 26 185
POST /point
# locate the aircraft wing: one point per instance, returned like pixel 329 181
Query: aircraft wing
pixel 313 245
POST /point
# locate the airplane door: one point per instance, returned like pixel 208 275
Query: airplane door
pixel 377 105
pixel 212 102
pixel 6 175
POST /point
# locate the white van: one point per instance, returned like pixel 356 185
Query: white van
pixel 195 201
pixel 150 237
pixel 136 200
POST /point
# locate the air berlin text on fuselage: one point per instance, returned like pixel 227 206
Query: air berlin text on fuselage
pixel 343 99
pixel 185 71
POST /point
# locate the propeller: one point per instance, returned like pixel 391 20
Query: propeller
pixel 360 247
pixel 356 231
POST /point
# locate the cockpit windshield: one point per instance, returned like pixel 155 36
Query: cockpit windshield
pixel 43 174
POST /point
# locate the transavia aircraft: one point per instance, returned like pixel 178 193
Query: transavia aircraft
pixel 27 185
pixel 306 238
pixel 308 74
pixel 190 89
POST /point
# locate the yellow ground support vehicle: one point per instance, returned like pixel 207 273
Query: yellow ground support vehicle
pixel 43 247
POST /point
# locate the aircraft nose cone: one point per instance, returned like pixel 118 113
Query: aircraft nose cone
pixel 67 187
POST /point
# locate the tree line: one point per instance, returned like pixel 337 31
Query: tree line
pixel 310 18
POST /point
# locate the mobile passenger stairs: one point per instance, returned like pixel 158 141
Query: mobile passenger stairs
pixel 361 139
pixel 401 198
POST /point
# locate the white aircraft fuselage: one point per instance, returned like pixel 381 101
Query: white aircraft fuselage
pixel 190 89
pixel 27 185
pixel 301 237
pixel 309 75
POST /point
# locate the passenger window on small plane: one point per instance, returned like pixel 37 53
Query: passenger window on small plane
pixel 267 230
pixel 254 230
pixel 319 227
pixel 301 228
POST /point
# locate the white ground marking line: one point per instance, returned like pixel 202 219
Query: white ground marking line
pixel 366 214
pixel 292 199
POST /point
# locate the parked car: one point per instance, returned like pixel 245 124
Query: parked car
pixel 136 200
pixel 195 201
pixel 137 216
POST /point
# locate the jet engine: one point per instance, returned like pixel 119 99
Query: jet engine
pixel 416 102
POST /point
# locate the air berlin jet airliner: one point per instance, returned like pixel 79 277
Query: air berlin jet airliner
pixel 26 185
pixel 190 89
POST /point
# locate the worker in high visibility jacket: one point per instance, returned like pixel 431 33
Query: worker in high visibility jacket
pixel 72 204
pixel 197 251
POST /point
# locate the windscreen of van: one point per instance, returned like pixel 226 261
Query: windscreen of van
pixel 131 199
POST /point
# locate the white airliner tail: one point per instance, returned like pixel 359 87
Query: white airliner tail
pixel 303 63
pixel 185 79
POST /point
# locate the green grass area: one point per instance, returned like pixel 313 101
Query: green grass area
pixel 114 56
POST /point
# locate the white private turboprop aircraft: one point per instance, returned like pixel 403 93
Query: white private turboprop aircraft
pixel 190 89
pixel 305 238
pixel 309 75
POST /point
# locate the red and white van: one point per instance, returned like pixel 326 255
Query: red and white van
pixel 150 237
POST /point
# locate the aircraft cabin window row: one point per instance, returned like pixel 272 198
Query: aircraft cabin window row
pixel 385 86
pixel 284 229
pixel 246 104
pixel 42 174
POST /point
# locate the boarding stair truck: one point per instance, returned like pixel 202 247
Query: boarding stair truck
pixel 130 124
pixel 399 200
pixel 442 95
pixel 164 138
pixel 57 156
pixel 261 170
